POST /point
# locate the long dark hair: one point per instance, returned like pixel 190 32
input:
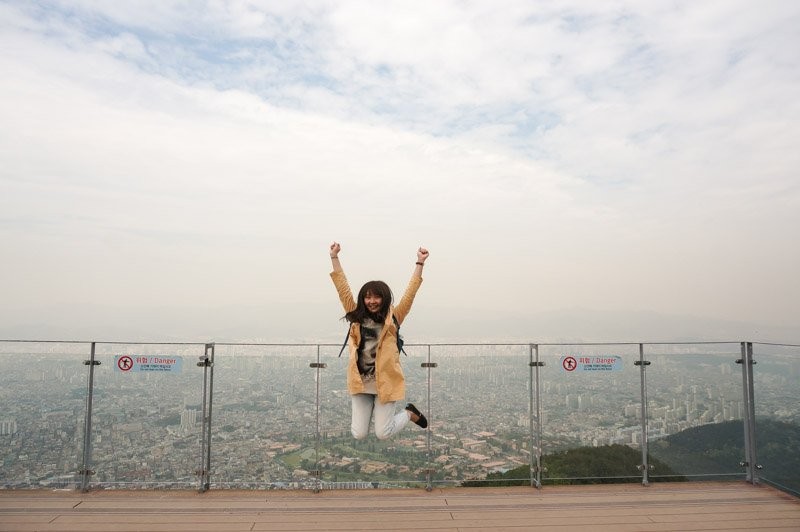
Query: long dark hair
pixel 377 288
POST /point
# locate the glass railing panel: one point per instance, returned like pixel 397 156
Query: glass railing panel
pixel 695 411
pixel 264 417
pixel 147 417
pixel 43 397
pixel 344 462
pixel 480 413
pixel 587 435
pixel 776 382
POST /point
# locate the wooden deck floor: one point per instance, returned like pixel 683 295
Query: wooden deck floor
pixel 678 506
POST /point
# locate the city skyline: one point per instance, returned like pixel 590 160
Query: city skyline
pixel 146 426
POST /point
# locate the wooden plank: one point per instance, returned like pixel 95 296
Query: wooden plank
pixel 13 504
pixel 115 526
pixel 277 517
pixel 26 518
pixel 375 525
pixel 256 505
pixel 653 527
pixel 763 517
pixel 644 509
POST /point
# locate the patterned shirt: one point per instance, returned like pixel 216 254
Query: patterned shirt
pixel 370 332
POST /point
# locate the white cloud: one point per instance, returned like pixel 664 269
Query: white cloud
pixel 589 156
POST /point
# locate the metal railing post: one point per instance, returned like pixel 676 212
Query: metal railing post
pixel 750 462
pixel 85 471
pixel 207 363
pixel 534 416
pixel 317 473
pixel 531 406
pixel 429 469
pixel 642 363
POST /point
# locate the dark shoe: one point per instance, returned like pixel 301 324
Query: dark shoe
pixel 422 421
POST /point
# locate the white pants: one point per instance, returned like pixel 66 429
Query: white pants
pixel 387 423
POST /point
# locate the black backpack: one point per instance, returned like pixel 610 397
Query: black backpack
pixel 400 341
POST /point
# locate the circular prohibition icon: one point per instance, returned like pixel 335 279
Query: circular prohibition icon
pixel 569 364
pixel 125 363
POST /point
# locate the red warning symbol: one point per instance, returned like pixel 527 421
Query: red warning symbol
pixel 125 363
pixel 569 363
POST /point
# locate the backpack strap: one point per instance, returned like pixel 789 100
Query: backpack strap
pixel 346 337
pixel 400 341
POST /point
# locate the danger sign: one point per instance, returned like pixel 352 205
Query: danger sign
pixel 124 363
pixel 595 363
pixel 148 363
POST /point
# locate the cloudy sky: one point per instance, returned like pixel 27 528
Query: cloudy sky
pixel 577 169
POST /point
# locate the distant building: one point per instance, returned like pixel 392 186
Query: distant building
pixel 188 419
pixel 8 427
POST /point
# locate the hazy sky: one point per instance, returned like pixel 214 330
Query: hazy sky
pixel 180 168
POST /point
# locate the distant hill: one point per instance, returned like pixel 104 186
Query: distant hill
pixel 710 451
pixel 718 449
pixel 583 465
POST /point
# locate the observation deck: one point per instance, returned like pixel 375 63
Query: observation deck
pixel 223 436
pixel 611 507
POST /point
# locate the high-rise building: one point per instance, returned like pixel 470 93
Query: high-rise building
pixel 8 427
pixel 188 418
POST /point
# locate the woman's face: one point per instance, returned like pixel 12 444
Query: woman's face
pixel 373 302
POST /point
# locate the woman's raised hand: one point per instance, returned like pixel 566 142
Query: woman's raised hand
pixel 335 249
pixel 422 254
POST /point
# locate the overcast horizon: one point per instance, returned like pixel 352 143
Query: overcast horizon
pixel 577 170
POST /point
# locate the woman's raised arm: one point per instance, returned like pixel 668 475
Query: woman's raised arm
pixel 335 249
pixel 340 281
pixel 422 256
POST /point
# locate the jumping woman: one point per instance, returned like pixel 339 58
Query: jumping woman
pixel 374 377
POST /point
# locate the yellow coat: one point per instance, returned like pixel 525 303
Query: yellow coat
pixel 389 380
